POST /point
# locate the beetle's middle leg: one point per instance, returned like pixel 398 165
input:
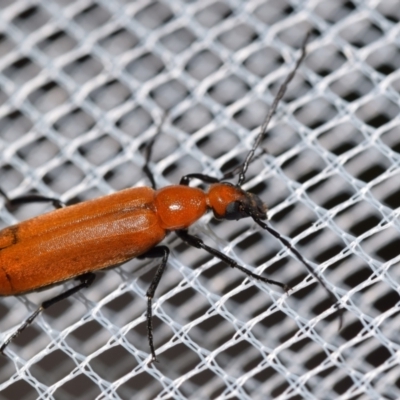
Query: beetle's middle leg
pixel 155 252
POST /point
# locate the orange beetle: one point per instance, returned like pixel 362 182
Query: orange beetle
pixel 76 241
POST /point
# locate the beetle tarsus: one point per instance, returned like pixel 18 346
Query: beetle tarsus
pixel 287 288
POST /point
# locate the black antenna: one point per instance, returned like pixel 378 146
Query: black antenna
pixel 288 245
pixel 271 112
pixel 251 157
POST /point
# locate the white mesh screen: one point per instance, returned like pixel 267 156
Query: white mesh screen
pixel 84 84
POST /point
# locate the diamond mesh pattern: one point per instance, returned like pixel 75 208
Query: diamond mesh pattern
pixel 84 84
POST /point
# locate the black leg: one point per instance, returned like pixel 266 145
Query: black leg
pixel 31 198
pixel 197 242
pixel 185 180
pixel 86 280
pixel 147 154
pixel 156 252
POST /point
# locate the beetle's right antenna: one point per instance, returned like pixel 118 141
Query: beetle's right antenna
pixel 271 112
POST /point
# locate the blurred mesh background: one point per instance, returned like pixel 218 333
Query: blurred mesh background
pixel 84 84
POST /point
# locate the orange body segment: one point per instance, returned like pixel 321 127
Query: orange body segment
pixel 220 196
pixel 71 241
pixel 180 206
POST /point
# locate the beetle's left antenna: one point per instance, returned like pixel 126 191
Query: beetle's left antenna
pixel 271 112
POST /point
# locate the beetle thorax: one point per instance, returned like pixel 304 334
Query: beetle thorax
pixel 179 206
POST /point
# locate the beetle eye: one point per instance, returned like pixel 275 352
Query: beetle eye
pixel 235 211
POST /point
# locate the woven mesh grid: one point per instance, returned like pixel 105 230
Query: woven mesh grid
pixel 83 85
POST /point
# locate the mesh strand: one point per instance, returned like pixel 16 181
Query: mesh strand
pixel 83 85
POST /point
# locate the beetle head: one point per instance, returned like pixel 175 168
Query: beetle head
pixel 232 203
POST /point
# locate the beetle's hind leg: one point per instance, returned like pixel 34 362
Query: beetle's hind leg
pixel 31 198
pixel 86 280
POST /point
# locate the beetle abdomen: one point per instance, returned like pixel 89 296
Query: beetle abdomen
pixel 76 245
